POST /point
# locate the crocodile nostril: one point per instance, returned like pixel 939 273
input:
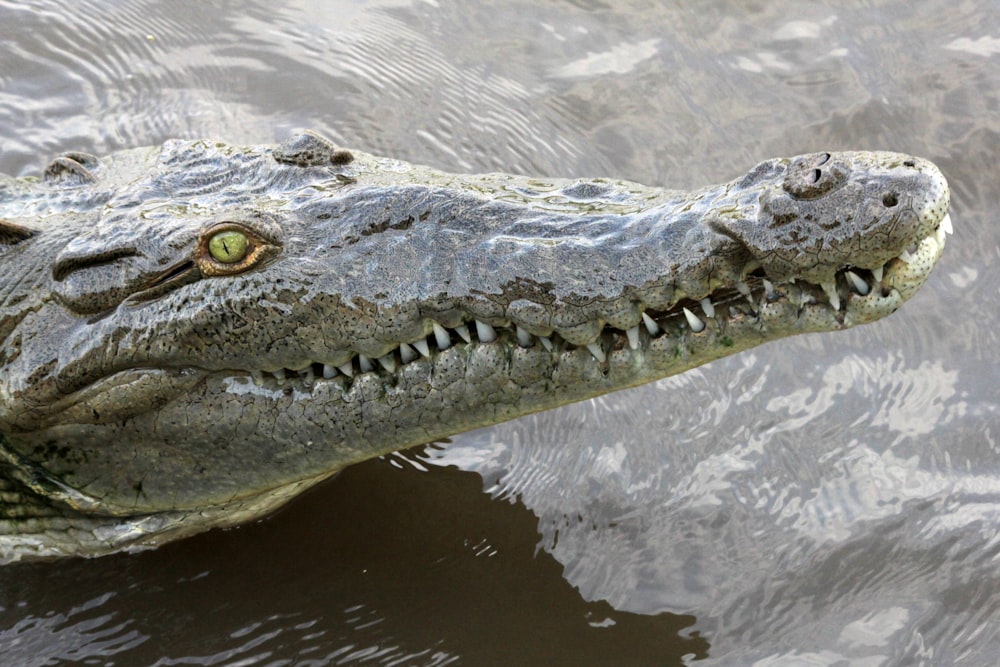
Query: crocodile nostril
pixel 909 163
pixel 816 175
pixel 890 199
pixel 824 158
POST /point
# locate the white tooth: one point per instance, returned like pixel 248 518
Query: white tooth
pixel 696 324
pixel 651 326
pixel 859 285
pixel 769 288
pixel 407 353
pixel 546 342
pixel 742 288
pixel 279 375
pixel 329 371
pixel 633 337
pixel 258 376
pixel 365 364
pixel 906 256
pixel 877 274
pixel 598 351
pixel 388 362
pixel 347 369
pixel 422 347
pixel 946 225
pixel 831 293
pixel 523 337
pixel 308 375
pixel 486 333
pixel 463 331
pixel 441 337
pixel 708 307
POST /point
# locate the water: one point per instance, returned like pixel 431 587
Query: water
pixel 824 500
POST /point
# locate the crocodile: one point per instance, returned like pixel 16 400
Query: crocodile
pixel 193 334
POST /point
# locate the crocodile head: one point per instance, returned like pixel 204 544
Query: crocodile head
pixel 192 334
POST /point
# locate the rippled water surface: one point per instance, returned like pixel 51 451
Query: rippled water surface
pixel 826 500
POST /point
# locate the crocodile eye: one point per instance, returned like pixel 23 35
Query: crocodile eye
pixel 229 246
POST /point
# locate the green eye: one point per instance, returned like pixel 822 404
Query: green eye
pixel 229 247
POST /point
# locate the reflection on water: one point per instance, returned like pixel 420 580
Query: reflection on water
pixel 375 567
pixel 829 498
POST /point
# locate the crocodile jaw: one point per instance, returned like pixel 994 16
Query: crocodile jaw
pixel 198 432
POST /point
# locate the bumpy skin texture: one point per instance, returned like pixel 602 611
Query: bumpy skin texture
pixel 149 390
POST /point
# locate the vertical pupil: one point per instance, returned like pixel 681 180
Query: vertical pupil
pixel 229 246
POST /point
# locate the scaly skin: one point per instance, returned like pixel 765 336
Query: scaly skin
pixel 150 390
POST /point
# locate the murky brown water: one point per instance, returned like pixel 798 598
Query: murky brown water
pixel 825 500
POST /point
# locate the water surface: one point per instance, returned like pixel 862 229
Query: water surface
pixel 830 499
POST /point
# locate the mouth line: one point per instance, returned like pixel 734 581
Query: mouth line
pixel 688 317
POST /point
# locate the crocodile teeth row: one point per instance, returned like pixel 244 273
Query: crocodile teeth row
pixel 486 333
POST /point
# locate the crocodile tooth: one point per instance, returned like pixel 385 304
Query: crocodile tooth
pixel 696 324
pixel 308 376
pixel 769 289
pixel 365 364
pixel 486 333
pixel 651 326
pixel 877 273
pixel 742 288
pixel 441 337
pixel 598 351
pixel 329 371
pixel 463 331
pixel 388 362
pixel 906 256
pixel 347 369
pixel 523 337
pixel 406 353
pixel 946 225
pixel 258 376
pixel 708 307
pixel 279 375
pixel 422 347
pixel 859 285
pixel 830 288
pixel 546 342
pixel 633 337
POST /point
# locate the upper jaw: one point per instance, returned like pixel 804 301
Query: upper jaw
pixel 847 293
pixel 728 284
pixel 854 296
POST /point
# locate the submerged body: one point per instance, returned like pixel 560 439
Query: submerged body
pixel 193 334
